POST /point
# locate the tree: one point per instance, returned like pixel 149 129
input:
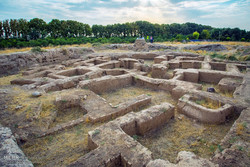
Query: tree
pixel 109 31
pixel 1 29
pixel 23 28
pixel 6 27
pixel 37 28
pixel 196 35
pixel 88 30
pixel 64 28
pixel 54 28
pixel 179 37
pixel 14 27
pixel 205 34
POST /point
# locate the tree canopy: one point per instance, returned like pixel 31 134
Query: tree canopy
pixel 15 30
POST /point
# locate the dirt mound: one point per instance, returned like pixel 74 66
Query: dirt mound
pixel 209 47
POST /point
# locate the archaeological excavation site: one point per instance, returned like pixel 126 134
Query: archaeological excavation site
pixel 125 105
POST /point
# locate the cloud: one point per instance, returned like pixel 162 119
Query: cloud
pixel 155 11
pixel 200 5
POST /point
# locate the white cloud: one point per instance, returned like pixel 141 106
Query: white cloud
pixel 155 11
pixel 120 1
pixel 76 1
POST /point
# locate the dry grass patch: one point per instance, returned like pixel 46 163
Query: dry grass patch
pixel 6 80
pixel 208 103
pixel 124 94
pixel 59 149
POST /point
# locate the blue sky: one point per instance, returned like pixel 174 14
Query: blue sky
pixel 217 13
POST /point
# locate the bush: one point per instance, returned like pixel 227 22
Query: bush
pixel 21 44
pixel 97 44
pixel 37 49
pixel 196 35
pixel 115 40
pixel 242 39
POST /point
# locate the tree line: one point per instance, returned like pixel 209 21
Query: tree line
pixel 36 32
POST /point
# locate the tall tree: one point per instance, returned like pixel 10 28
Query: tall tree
pixel 205 34
pixel 37 28
pixel 23 28
pixel 54 28
pixel 87 29
pixel 1 29
pixel 6 27
pixel 14 27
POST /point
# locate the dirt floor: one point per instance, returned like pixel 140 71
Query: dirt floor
pixel 186 134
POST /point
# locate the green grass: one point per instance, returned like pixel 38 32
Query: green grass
pixel 135 137
pixel 220 148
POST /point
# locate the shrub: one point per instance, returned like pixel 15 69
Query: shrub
pixel 196 35
pixel 97 44
pixel 115 40
pixel 242 39
pixel 37 49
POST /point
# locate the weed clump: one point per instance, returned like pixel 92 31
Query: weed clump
pixel 208 103
pixel 64 51
pixel 217 55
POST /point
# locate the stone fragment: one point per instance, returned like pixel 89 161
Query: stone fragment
pixel 10 153
pixel 211 89
pixel 36 94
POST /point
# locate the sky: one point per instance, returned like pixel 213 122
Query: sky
pixel 216 13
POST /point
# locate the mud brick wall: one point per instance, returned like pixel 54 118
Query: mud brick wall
pixel 13 63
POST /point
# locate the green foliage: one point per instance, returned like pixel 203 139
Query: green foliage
pixel 212 148
pixel 228 57
pixel 231 57
pixel 244 124
pixel 240 148
pixel 96 132
pixel 233 140
pixel 135 137
pixel 36 32
pixel 179 37
pixel 196 35
pixel 37 49
pixel 205 34
pixel 163 110
pixel 220 148
pixel 49 138
pixel 242 39
pixel 217 55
